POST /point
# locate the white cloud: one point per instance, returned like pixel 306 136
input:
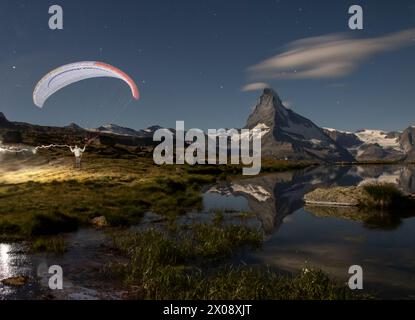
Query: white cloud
pixel 328 56
pixel 255 86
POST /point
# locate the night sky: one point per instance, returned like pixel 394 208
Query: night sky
pixel 192 58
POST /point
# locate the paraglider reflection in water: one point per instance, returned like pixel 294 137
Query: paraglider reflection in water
pixel 78 152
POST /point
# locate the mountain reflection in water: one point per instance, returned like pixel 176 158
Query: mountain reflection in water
pixel 331 239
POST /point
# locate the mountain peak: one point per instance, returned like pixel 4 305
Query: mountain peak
pixel 111 126
pixel 270 91
pixel 153 128
pixel 74 126
pixel 291 136
pixel 3 120
pixel 267 109
pixel 269 94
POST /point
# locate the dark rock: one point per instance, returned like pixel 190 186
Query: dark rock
pixel 100 222
pixel 345 139
pixel 18 281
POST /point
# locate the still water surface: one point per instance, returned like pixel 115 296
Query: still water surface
pixel 326 238
pixel 295 236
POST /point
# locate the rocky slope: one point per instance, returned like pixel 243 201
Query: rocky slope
pixel 374 145
pixel 291 136
pixel 123 131
pixel 4 123
pixel 285 135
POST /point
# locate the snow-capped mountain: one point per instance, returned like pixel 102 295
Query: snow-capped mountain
pixel 291 136
pixel 370 145
pixel 123 131
pixel 344 138
pixel 407 141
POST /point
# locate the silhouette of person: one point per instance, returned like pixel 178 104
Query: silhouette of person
pixel 78 155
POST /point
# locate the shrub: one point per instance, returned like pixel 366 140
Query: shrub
pixel 7 227
pixel 385 195
pixel 50 224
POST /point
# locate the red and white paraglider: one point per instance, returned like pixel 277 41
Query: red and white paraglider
pixel 68 74
pixel 74 72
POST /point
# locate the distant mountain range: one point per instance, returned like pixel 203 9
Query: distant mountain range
pixel 118 130
pixel 370 145
pixel 285 135
pixel 292 136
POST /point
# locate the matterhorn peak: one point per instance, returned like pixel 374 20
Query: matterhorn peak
pixel 291 136
pixel 269 95
pixel 271 92
pixel 268 106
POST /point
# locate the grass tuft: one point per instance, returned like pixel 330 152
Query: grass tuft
pixel 387 196
pixel 54 245
pixel 51 224
pixel 189 263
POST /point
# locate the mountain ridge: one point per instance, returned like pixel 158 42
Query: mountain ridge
pixel 285 135
pixel 374 145
pixel 291 135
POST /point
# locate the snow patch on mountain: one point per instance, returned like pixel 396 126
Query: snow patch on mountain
pixel 390 178
pixel 372 145
pixel 264 129
pixel 335 130
pixel 256 191
pixel 126 132
pixel 379 137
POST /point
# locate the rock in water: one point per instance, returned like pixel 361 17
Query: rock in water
pixel 100 222
pixel 337 196
pixel 18 281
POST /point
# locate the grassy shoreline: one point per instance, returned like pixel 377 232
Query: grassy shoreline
pixel 192 262
pixel 48 200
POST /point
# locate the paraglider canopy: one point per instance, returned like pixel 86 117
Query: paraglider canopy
pixel 74 72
